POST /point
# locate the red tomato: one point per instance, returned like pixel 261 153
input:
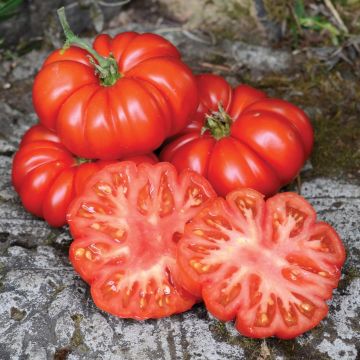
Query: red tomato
pixel 126 224
pixel 47 176
pixel 151 98
pixel 269 264
pixel 252 141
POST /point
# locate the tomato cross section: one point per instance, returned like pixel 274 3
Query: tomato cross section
pixel 268 264
pixel 126 225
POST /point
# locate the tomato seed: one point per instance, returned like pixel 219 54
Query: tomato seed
pixel 142 303
pixel 102 189
pixel 289 319
pixel 79 253
pixel 323 273
pixel 263 320
pixel 306 306
pixel 88 255
pixel 95 226
pixel 160 301
pixel 195 264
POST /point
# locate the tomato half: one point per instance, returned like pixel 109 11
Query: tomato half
pixel 268 264
pixel 250 140
pixel 125 225
pixel 47 176
pixel 152 96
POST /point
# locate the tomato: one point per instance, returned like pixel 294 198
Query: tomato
pixel 250 140
pixel 268 264
pixel 47 176
pixel 125 225
pixel 133 94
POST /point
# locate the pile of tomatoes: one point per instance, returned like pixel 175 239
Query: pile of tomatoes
pixel 153 238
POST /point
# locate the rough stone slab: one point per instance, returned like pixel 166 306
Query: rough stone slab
pixel 46 309
pixel 199 49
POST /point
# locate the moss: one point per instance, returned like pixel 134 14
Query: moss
pixel 2 268
pixel 217 59
pixel 252 347
pixel 62 353
pixel 271 348
pixel 291 349
pixel 235 10
pixel 350 274
pixel 17 314
pixel 58 290
pixel 50 239
pixel 277 10
pixel 231 20
pixel 77 340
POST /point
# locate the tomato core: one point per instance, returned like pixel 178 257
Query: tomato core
pixel 218 123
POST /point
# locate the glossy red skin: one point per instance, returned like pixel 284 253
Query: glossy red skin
pixel 262 243
pixel 269 142
pixel 153 99
pixel 47 176
pixel 126 224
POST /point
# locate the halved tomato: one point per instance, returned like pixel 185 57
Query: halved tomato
pixel 126 225
pixel 269 264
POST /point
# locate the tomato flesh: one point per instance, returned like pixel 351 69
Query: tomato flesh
pixel 268 264
pixel 126 224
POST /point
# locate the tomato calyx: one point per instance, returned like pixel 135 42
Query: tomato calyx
pixel 79 161
pixel 106 68
pixel 218 123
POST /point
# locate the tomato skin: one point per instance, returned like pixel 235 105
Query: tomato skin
pixel 269 265
pixel 126 223
pixel 47 176
pixel 269 140
pixel 134 115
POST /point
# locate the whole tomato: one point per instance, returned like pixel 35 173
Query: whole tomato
pixel 47 176
pixel 123 96
pixel 241 138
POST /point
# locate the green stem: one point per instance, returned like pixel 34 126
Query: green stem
pixel 218 123
pixel 79 161
pixel 106 67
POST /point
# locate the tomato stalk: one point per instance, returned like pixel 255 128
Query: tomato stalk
pixel 218 123
pixel 105 67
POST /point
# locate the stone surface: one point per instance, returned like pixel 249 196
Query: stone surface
pixel 46 311
pixel 239 19
pixel 34 20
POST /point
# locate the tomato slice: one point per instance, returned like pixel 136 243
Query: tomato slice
pixel 126 225
pixel 269 264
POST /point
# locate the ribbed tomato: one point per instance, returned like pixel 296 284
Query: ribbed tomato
pixel 268 264
pixel 126 223
pixel 250 140
pixel 122 97
pixel 47 176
